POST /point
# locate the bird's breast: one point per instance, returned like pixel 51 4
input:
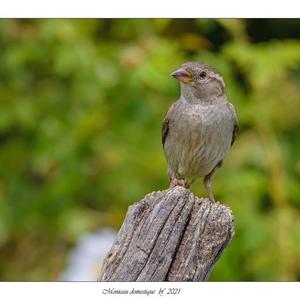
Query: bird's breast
pixel 200 137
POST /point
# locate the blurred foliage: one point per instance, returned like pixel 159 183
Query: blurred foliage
pixel 81 106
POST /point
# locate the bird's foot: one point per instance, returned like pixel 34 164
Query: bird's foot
pixel 177 182
pixel 212 198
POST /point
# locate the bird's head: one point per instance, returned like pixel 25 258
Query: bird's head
pixel 200 82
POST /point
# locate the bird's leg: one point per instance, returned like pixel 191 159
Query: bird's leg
pixel 177 182
pixel 207 183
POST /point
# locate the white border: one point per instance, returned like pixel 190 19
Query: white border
pixel 149 9
pixel 189 290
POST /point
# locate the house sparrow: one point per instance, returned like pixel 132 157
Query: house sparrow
pixel 199 128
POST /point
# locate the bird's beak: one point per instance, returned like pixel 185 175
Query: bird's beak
pixel 182 75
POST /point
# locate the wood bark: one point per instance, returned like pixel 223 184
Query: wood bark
pixel 169 235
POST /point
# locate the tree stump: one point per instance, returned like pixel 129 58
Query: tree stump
pixel 169 235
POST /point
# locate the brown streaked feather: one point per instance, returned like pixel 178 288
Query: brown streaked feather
pixel 164 130
pixel 235 133
pixel 166 123
pixel 236 125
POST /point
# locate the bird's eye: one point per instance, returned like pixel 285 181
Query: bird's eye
pixel 202 75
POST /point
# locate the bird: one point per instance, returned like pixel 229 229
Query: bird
pixel 199 128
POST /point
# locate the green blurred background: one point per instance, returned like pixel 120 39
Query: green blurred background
pixel 81 107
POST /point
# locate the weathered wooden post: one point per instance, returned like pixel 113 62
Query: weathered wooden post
pixel 169 235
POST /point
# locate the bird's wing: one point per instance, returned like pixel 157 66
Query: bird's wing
pixel 164 130
pixel 236 125
pixel 166 125
pixel 235 133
